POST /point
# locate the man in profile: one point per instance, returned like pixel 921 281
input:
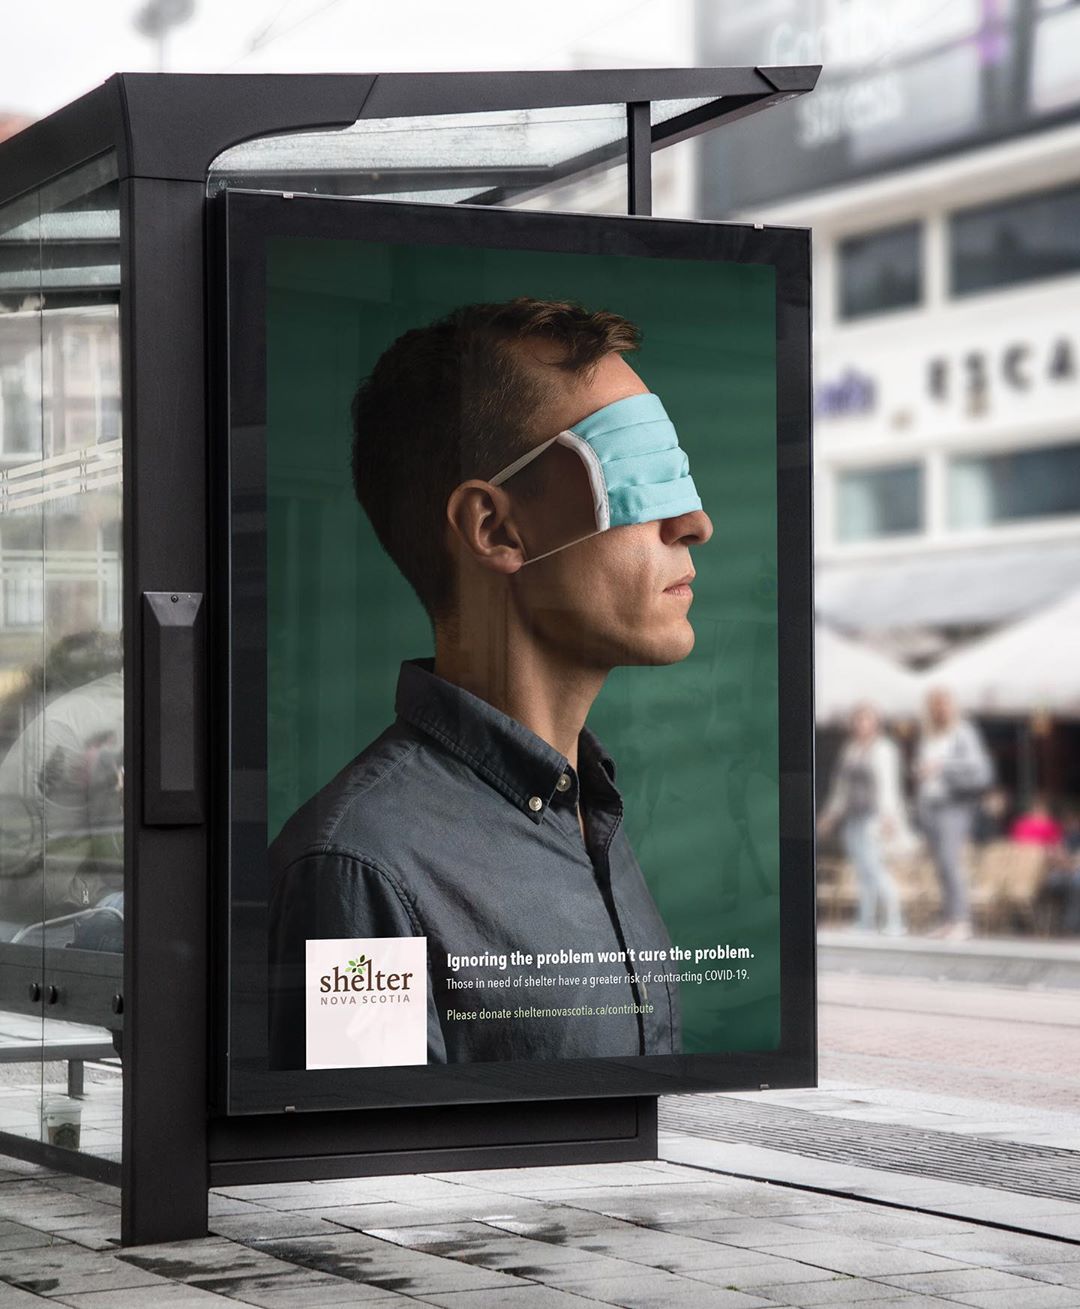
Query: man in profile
pixel 527 484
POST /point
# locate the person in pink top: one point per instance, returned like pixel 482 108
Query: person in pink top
pixel 1036 827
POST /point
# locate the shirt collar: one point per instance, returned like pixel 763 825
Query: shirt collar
pixel 507 755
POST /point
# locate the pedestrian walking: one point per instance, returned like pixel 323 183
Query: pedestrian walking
pixel 865 799
pixel 952 771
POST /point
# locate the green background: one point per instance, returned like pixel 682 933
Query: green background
pixel 695 744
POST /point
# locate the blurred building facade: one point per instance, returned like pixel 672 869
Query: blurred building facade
pixel 938 163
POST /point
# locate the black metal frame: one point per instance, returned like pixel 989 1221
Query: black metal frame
pixel 244 1083
pixel 166 132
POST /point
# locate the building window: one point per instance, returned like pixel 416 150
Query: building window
pixel 1012 487
pixel 1021 240
pixel 880 271
pixel 878 502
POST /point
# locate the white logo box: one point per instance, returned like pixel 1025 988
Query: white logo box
pixel 366 1001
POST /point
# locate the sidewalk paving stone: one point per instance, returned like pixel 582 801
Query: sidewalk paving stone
pixel 227 1204
pixel 995 1248
pixel 671 1251
pixel 382 1264
pixel 836 1289
pixel 877 1223
pixel 17 1236
pixel 1035 1296
pixel 216 1266
pixel 659 1204
pixel 101 1236
pixel 663 1291
pixel 1065 1273
pixel 956 1281
pixel 398 1213
pixel 487 1247
pixel 865 1258
pixel 12 1298
pixel 563 1177
pixel 909 1302
pixel 1059 1226
pixel 556 1223
pixel 520 1297
pixel 754 1233
pixel 65 1269
pixel 271 1224
pixel 1005 1206
pixel 750 1278
pixel 300 1289
pixel 173 1295
pixel 766 1200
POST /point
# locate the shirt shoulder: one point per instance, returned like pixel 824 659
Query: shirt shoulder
pixel 315 827
pixel 391 786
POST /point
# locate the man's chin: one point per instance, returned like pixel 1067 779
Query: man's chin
pixel 671 648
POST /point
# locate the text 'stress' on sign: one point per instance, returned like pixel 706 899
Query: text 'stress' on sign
pixel 366 1002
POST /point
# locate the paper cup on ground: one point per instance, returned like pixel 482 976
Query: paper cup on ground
pixel 61 1119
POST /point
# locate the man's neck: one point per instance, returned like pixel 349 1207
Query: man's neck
pixel 524 681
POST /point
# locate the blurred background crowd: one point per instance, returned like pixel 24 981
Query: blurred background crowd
pixel 938 163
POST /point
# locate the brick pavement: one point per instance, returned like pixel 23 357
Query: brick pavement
pixel 998 1044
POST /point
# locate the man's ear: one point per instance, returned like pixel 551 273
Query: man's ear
pixel 481 518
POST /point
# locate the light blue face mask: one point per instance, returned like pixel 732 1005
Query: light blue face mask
pixel 637 472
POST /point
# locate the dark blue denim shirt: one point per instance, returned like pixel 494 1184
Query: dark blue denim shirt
pixel 460 825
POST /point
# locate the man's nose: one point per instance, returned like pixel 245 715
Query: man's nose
pixel 693 528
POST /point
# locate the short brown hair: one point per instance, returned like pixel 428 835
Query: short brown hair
pixel 454 400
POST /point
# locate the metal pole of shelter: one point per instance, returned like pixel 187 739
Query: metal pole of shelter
pixel 639 157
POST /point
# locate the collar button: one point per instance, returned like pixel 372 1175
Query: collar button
pixel 535 803
pixel 563 784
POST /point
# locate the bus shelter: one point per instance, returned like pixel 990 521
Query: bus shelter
pixel 118 778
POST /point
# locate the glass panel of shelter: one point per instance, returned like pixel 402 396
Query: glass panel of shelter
pixel 21 659
pixel 61 752
pixel 573 154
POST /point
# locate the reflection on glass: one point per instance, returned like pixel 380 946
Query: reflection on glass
pixel 61 666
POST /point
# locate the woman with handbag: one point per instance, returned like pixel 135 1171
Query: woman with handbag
pixel 952 770
pixel 865 800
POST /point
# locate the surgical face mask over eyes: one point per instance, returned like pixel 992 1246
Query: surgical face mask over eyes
pixel 620 465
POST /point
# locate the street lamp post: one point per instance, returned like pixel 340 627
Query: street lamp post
pixel 157 17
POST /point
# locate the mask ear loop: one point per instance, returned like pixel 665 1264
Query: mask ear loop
pixel 597 485
pixel 523 462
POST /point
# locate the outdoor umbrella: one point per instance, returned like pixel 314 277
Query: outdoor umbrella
pixel 1031 666
pixel 847 673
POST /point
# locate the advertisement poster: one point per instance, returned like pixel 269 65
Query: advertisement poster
pixel 522 766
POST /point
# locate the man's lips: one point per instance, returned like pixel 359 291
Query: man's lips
pixel 681 586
